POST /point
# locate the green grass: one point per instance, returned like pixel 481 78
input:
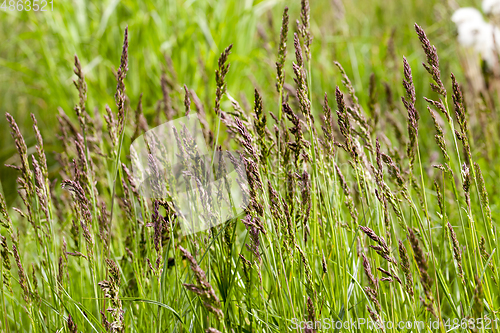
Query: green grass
pixel 37 55
pixel 310 259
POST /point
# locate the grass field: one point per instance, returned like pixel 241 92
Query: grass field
pixel 369 168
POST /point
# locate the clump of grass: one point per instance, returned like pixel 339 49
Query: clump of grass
pixel 313 196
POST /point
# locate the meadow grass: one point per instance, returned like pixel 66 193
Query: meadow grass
pixel 371 196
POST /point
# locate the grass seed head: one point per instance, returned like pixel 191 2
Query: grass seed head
pixel 457 253
pixel 220 77
pixel 422 265
pixel 440 106
pixel 187 101
pixel 373 297
pixel 376 319
pixel 5 220
pixel 120 86
pixel 311 316
pixel 280 63
pixel 81 86
pixel 39 149
pixel 439 137
pixel 405 268
pixel 408 82
pixel 5 255
pixel 304 26
pixel 484 195
pixel 413 116
pixel 254 227
pixel 23 280
pixel 22 150
pixel 202 288
pixel 368 272
pixel 478 297
pixel 432 65
pixel 72 328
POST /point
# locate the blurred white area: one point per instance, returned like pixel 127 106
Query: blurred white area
pixel 466 14
pixel 475 33
pixel 491 7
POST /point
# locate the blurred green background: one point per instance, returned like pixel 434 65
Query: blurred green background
pixel 37 50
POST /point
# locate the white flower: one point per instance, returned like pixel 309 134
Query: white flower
pixel 491 7
pixel 483 37
pixel 473 34
pixel 488 45
pixel 466 14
